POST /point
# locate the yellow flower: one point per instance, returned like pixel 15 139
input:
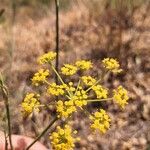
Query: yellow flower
pixel 65 109
pixel 121 96
pixel 69 69
pixel 84 65
pixel 100 121
pixel 47 58
pixel 30 103
pixel 63 139
pixel 80 97
pixel 112 65
pixel 70 87
pixel 100 91
pixel 88 80
pixel 55 89
pixel 40 77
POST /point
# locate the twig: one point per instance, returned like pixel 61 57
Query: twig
pixel 57 38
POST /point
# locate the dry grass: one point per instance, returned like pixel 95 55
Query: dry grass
pixel 90 36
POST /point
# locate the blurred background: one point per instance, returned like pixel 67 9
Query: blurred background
pixel 89 29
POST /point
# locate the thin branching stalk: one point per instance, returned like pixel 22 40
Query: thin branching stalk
pixel 77 86
pixel 57 38
pixel 6 99
pixel 97 100
pixel 93 85
pixel 59 77
pixel 57 74
pixel 42 133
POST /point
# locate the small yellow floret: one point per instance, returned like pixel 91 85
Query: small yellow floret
pixel 55 89
pixel 47 58
pixel 30 103
pixel 63 139
pixel 88 80
pixel 65 109
pixel 69 69
pixel 40 77
pixel 80 97
pixel 121 96
pixel 70 87
pixel 112 65
pixel 84 65
pixel 100 121
pixel 100 91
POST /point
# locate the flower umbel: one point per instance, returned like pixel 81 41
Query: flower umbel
pixel 63 139
pixel 112 65
pixel 47 58
pixel 100 121
pixel 30 103
pixel 88 80
pixel 100 91
pixel 65 109
pixel 69 70
pixel 80 97
pixel 121 96
pixel 40 77
pixel 55 89
pixel 70 87
pixel 73 94
pixel 84 65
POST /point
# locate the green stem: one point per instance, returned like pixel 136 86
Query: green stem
pixel 57 38
pixel 101 79
pixel 93 85
pixel 68 97
pixel 56 72
pixel 5 96
pixel 97 100
pixel 47 82
pixel 42 133
pixel 78 86
pixel 59 77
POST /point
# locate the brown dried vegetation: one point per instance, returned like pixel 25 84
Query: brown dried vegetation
pixel 90 35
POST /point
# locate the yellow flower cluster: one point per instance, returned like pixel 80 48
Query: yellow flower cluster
pixel 63 139
pixel 69 70
pixel 56 90
pixel 80 97
pixel 88 80
pixel 100 91
pixel 40 77
pixel 30 103
pixel 70 87
pixel 121 96
pixel 47 58
pixel 100 121
pixel 74 96
pixel 112 65
pixel 83 64
pixel 65 109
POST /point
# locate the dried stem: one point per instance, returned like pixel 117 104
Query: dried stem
pixel 57 38
pixel 6 99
